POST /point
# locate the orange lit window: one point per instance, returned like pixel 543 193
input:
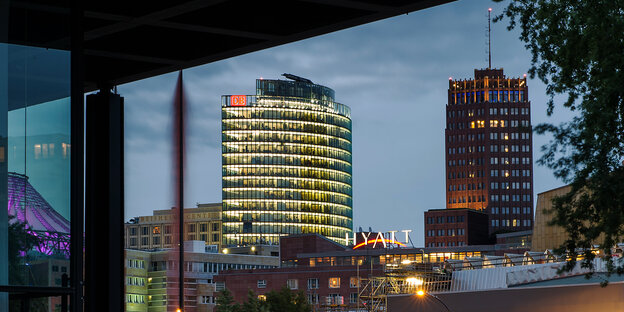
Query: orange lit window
pixel 156 230
pixel 334 282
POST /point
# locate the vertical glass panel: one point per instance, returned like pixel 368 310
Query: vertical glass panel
pixel 35 152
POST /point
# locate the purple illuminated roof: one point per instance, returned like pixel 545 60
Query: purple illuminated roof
pixel 29 206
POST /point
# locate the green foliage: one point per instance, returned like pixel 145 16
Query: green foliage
pixel 254 304
pixel 19 241
pixel 283 300
pixel 225 302
pixel 577 50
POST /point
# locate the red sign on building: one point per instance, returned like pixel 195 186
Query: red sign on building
pixel 238 100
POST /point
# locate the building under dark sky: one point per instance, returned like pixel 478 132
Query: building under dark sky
pixel 286 163
pixel 489 159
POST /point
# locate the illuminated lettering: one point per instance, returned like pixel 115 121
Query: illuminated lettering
pixel 347 239
pixel 406 235
pixel 238 100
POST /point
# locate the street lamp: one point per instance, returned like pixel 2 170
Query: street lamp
pixel 421 293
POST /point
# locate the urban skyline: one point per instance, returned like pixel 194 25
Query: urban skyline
pixel 395 84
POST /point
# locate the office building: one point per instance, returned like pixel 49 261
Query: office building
pixel 153 232
pixel 489 159
pixel 286 163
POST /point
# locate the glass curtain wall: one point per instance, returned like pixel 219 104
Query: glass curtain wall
pixel 35 152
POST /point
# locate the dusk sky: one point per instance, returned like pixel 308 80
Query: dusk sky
pixel 392 73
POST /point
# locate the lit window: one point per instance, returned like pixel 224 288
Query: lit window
pixel 334 282
pixel 354 282
pixel 292 284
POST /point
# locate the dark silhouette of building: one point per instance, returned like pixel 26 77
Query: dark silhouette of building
pixel 489 159
pixel 456 227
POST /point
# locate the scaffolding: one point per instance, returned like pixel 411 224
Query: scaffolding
pixel 404 278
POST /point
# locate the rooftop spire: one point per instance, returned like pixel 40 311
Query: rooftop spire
pixel 489 41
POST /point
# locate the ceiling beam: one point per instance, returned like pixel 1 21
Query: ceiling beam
pixel 150 18
pixel 182 26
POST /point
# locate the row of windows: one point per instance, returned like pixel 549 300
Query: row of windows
pixel 135 281
pixel 493 111
pixel 510 185
pixel 448 219
pixel 286 205
pixel 255 232
pixel 513 173
pixel 510 223
pixel 286 114
pixel 286 125
pixel 507 136
pixel 514 210
pixel 286 137
pixel 495 81
pixel 156 240
pixel 313 283
pixel 204 267
pixel 287 160
pixel 286 148
pixel 287 194
pixel 470 161
pixel 491 96
pixel 464 174
pixel 514 198
pixel 132 263
pixel 469 187
pixel 166 229
pixel 464 137
pixel 510 161
pixel 493 149
pixel 288 217
pixel 446 232
pixel 287 171
pixel 471 199
pixel 293 183
pixel 442 244
pixel 135 299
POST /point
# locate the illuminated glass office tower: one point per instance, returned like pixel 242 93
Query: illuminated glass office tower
pixel 489 158
pixel 286 163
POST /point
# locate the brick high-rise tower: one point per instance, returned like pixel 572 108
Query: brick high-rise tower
pixel 489 158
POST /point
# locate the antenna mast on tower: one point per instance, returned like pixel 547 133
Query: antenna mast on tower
pixel 489 41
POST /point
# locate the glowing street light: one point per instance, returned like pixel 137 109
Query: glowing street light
pixel 421 293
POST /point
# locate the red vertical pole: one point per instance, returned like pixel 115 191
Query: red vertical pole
pixel 179 161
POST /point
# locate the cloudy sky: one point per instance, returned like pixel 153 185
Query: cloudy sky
pixel 392 73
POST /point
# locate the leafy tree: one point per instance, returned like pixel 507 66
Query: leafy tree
pixel 577 50
pixel 225 302
pixel 285 300
pixel 20 241
pixel 253 304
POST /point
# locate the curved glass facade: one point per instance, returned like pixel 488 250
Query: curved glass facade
pixel 286 163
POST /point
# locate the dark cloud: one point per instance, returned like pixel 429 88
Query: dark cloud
pixel 392 73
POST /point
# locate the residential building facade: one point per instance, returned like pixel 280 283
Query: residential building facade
pixel 152 276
